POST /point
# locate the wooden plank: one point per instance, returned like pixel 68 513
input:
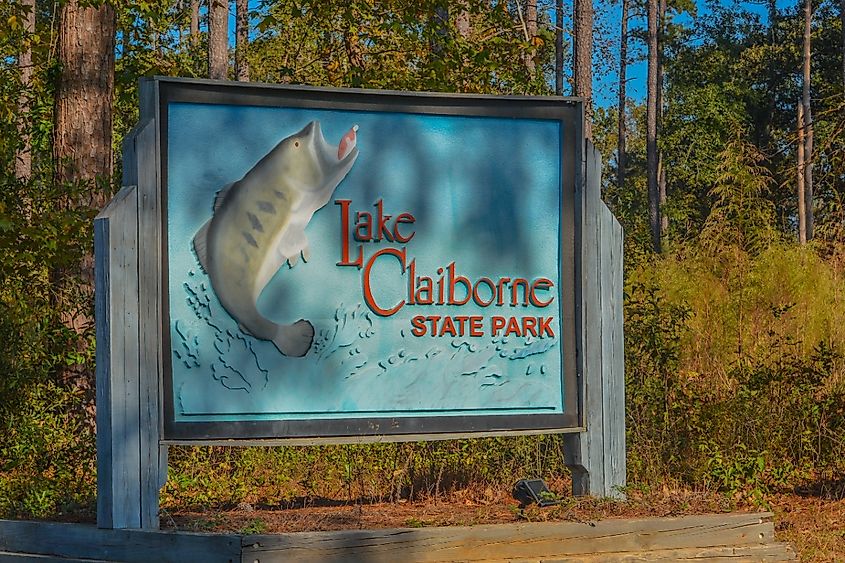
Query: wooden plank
pixel 149 260
pixel 616 414
pixel 748 553
pixel 693 538
pixel 78 541
pixel 593 333
pixel 396 438
pixel 773 552
pixel 102 316
pixel 609 489
pixel 128 157
pixel 582 457
pixel 7 557
pixel 116 294
pixel 612 351
pixel 512 541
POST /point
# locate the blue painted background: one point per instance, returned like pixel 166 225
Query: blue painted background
pixel 485 194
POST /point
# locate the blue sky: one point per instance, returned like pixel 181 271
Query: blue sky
pixel 605 83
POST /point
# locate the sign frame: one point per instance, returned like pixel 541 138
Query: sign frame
pixel 159 92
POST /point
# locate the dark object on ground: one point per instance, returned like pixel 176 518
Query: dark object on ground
pixel 534 491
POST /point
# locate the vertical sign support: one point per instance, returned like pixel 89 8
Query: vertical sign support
pixel 596 457
pixel 131 465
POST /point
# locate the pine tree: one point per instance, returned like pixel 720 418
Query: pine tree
pixel 218 39
pixel 582 71
pixel 241 40
pixel 623 73
pixel 651 127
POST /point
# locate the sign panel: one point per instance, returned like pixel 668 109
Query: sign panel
pixel 341 263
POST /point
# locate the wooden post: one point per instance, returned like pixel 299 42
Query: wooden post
pixel 596 457
pixel 131 463
pixel 116 294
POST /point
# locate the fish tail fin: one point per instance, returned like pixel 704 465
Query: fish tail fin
pixel 294 340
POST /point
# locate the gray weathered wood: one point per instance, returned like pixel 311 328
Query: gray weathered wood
pixel 616 385
pixel 153 456
pixel 605 279
pixel 596 457
pixel 512 541
pixel 130 162
pixel 577 446
pixel 745 554
pixel 374 439
pixel 612 356
pixel 132 463
pixel 116 291
pixel 6 557
pixel 82 541
pixel 691 538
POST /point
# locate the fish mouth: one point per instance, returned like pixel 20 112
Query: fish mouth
pixel 337 158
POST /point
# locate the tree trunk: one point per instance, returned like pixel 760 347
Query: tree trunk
pixel 531 33
pixel 82 136
pixel 651 128
pixel 23 156
pixel 462 21
pixel 582 70
pixel 808 121
pixel 440 24
pixel 772 76
pixel 661 167
pixel 195 22
pixel 559 47
pixel 623 73
pixel 241 40
pixel 218 39
pixel 82 150
pixel 802 209
pixel 842 25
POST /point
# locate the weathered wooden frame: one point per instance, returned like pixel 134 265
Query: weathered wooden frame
pixel 161 92
pixel 131 363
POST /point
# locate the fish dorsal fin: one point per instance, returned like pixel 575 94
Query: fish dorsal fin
pixel 201 244
pixel 221 195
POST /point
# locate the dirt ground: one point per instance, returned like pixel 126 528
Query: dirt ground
pixel 812 520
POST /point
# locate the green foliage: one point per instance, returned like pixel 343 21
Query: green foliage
pixel 740 215
pixel 47 453
pixel 735 370
pixel 202 477
pixel 401 45
pixel 46 433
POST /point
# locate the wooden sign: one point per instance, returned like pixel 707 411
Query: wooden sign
pixel 302 265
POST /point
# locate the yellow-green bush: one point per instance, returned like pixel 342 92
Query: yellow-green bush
pixel 735 366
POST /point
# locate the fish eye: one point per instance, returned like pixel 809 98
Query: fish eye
pixel 296 144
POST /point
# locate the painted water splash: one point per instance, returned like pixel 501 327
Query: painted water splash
pixel 349 359
pixel 339 346
pixel 232 359
pixel 463 358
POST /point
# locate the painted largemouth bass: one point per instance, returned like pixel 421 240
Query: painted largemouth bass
pixel 259 223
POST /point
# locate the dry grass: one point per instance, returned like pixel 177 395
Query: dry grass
pixel 813 521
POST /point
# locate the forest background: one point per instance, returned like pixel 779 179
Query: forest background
pixel 733 209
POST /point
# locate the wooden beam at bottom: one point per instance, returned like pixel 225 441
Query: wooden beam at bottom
pixel 87 542
pixel 721 537
pixel 8 557
pixel 539 541
pixel 749 553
